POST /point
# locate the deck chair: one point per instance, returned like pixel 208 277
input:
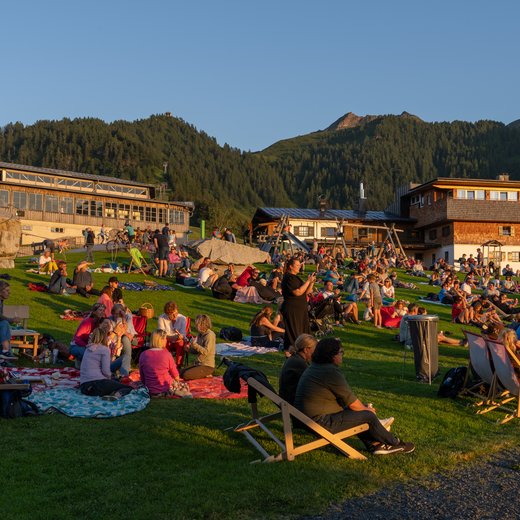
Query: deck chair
pixel 286 445
pixel 137 260
pixel 505 373
pixel 481 365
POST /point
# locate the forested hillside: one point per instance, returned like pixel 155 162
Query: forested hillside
pixel 390 151
pixel 227 184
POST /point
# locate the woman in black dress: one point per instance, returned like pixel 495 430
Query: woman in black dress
pixel 294 307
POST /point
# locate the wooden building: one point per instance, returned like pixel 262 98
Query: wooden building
pixel 359 228
pixel 456 216
pixel 55 203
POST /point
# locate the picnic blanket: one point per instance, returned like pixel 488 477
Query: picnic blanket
pixel 241 350
pixel 137 286
pixel 68 377
pixel 71 315
pixel 424 300
pixel 249 295
pixel 71 402
pixel 207 388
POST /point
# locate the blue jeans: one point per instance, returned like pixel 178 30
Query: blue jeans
pixel 76 351
pixel 122 363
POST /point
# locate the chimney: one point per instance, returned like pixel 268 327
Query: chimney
pixel 503 177
pixel 323 203
pixel 362 199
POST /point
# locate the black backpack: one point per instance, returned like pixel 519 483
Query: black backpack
pixel 231 334
pixel 13 406
pixel 453 382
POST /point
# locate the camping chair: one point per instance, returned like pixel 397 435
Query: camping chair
pixel 288 450
pixel 137 260
pixel 140 325
pixel 480 364
pixel 506 375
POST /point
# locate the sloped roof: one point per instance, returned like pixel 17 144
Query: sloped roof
pixel 332 214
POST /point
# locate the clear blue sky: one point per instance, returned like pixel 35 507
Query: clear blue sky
pixel 252 72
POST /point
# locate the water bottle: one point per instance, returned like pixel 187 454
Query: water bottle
pixel 55 353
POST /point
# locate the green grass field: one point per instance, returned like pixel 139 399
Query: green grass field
pixel 175 459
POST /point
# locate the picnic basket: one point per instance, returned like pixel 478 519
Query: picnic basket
pixel 146 310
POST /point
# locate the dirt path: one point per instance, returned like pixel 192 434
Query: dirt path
pixel 488 490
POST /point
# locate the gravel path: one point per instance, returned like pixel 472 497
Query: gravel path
pixel 488 490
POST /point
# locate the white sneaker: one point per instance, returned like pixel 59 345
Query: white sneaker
pixel 387 423
pixel 8 355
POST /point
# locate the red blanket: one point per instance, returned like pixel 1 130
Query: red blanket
pixel 207 388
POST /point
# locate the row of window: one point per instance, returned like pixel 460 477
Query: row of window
pixel 503 231
pixel 93 208
pixel 76 184
pixel 493 195
pixel 330 232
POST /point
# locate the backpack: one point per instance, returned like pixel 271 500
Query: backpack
pixel 231 334
pixel 12 406
pixel 453 382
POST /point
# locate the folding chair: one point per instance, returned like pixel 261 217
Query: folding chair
pixel 480 364
pixel 288 450
pixel 506 374
pixel 137 260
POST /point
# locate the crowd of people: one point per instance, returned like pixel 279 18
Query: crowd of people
pixel 310 377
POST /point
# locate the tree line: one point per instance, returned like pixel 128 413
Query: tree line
pixel 226 183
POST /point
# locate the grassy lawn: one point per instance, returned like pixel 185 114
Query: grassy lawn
pixel 174 459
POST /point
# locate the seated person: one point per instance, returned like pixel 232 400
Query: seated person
pixel 95 376
pixel 392 316
pixel 262 328
pixel 507 271
pixel 387 292
pixel 491 291
pixel 508 285
pixel 507 305
pixel 332 275
pixel 85 328
pixel 82 281
pixel 107 300
pixel 207 276
pixel 58 284
pixel 342 312
pixel 275 279
pixel 444 294
pixel 243 279
pixel 404 327
pixel 460 311
pixel 5 328
pixel 122 327
pixel 295 366
pixel 204 347
pixel 223 288
pixel 46 263
pixel 156 365
pixel 174 261
pixel 324 395
pixel 176 327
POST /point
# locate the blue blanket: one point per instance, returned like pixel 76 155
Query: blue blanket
pixel 136 286
pixel 71 402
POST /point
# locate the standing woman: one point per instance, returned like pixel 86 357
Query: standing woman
pixel 294 307
pixel 204 346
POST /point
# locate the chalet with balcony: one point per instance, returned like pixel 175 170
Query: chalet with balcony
pixel 456 216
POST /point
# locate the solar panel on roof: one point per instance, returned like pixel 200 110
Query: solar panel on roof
pixel 331 214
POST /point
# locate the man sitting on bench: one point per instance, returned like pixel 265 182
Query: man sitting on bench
pixel 324 395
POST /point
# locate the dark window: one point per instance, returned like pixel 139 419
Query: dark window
pixel 96 208
pixel 66 205
pixel 432 234
pixel 81 207
pixel 446 231
pixel 19 199
pixel 303 231
pixel 506 231
pixel 328 232
pixel 51 204
pixel 4 198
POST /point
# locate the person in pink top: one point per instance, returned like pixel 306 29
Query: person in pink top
pixel 158 369
pixel 106 300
